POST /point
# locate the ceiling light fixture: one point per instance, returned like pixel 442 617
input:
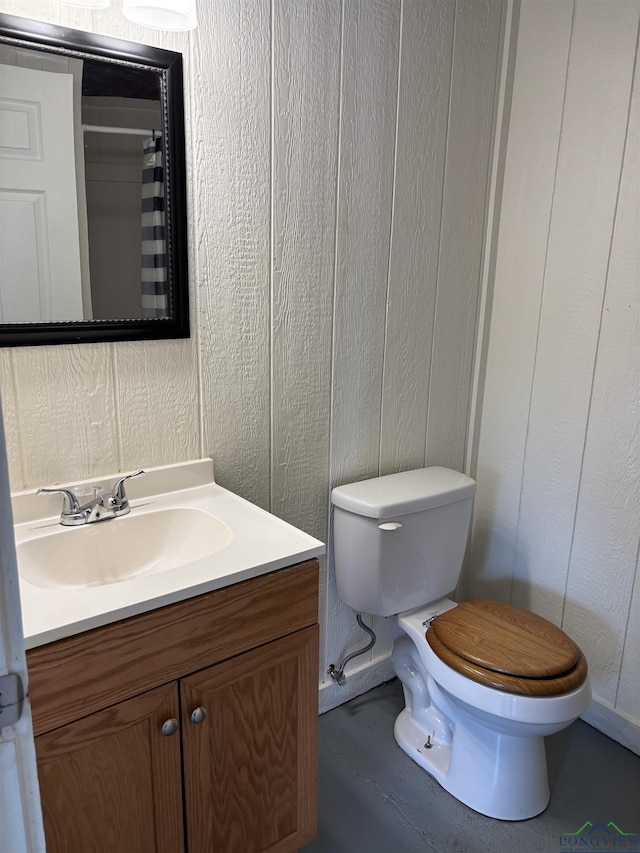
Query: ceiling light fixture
pixel 175 15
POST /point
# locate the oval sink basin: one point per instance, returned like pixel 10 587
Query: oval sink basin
pixel 122 548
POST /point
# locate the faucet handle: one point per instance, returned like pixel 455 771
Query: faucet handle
pixel 70 504
pixel 118 489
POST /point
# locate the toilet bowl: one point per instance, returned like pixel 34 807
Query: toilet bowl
pixel 483 682
pixel 487 744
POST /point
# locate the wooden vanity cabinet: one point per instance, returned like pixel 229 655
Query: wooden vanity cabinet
pixel 247 765
pixel 237 776
pixel 111 781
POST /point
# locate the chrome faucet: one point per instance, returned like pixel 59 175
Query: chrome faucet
pixel 99 508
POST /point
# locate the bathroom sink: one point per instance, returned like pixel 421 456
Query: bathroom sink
pixel 141 543
pixel 184 536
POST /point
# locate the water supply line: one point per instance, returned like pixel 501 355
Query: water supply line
pixel 337 673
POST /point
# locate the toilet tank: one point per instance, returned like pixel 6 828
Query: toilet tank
pixel 399 540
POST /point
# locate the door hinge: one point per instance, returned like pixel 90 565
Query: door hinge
pixel 11 699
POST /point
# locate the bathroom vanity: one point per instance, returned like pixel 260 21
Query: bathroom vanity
pixel 215 696
pixel 191 723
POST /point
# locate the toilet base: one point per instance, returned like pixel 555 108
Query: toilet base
pixel 499 773
pixel 505 779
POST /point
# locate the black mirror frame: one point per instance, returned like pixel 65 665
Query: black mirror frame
pixel 55 39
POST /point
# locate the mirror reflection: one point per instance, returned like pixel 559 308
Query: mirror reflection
pixel 124 185
pixel 86 234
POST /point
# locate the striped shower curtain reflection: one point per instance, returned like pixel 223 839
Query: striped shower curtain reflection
pixel 155 298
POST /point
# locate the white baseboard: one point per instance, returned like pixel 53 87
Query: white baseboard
pixel 360 679
pixel 615 724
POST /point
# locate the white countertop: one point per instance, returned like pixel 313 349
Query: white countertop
pixel 261 543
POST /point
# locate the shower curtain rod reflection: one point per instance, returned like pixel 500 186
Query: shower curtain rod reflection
pixel 130 131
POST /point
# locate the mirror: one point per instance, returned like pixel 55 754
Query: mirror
pixel 93 243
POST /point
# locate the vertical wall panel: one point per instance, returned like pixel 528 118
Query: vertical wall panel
pixel 306 96
pixel 11 422
pixel 467 170
pixel 591 146
pixel 628 695
pixel 423 108
pixel 154 378
pixel 365 185
pixel 231 78
pixel 67 412
pixel 602 570
pixel 530 168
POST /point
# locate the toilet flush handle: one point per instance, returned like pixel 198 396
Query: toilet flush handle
pixel 390 525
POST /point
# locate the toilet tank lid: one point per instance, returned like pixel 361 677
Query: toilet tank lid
pixel 404 493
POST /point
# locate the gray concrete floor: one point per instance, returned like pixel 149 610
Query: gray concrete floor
pixel 374 799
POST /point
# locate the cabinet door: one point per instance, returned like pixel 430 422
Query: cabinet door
pixel 250 767
pixel 111 781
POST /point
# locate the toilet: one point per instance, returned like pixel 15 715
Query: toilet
pixel 484 682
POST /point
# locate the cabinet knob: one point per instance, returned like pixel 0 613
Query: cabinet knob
pixel 199 715
pixel 169 727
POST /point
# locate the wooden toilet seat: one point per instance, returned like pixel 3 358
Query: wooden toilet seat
pixel 507 648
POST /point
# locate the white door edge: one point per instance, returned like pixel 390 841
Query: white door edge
pixel 21 828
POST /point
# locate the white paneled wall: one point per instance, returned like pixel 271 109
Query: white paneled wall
pixel 338 153
pixel 557 516
pixel 339 156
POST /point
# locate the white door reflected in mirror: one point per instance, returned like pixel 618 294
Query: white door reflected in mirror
pixel 40 272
